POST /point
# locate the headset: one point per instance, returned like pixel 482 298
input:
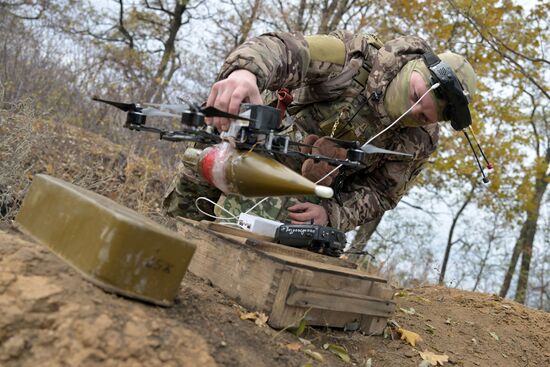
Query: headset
pixel 450 90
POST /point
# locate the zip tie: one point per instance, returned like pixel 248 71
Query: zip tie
pixel 400 117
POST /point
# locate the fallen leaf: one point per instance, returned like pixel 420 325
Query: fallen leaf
pixel 401 294
pixel 308 364
pixel 494 335
pixel 49 168
pixel 369 363
pixel 434 359
pixel 304 341
pixel 261 320
pixel 294 346
pixel 410 311
pixel 315 355
pixel 448 321
pixel 339 350
pixel 409 336
pixel 248 316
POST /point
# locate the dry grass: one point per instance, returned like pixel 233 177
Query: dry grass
pixel 29 145
pixel 16 141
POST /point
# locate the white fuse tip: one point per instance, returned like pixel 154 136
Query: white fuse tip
pixel 324 192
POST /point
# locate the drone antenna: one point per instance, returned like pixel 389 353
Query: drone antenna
pixel 485 179
pixel 489 164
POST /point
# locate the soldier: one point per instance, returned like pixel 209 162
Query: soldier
pixel 347 86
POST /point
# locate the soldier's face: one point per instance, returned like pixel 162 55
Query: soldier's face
pixel 425 111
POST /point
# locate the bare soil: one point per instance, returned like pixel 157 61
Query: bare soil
pixel 51 316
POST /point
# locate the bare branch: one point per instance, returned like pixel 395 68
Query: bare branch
pixel 494 47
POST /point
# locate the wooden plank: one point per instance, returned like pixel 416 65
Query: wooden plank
pixel 327 299
pixel 243 275
pixel 275 248
pixel 376 325
pixel 281 315
pixel 266 244
pixel 220 228
pixel 324 316
pixel 326 268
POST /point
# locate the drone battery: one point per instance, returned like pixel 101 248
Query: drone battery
pixel 110 245
pixel 264 117
pixel 259 225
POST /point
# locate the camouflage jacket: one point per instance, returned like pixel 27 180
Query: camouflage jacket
pixel 325 88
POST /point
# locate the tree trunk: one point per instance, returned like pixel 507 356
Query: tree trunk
pixel 246 26
pixel 484 260
pixel 364 233
pixel 450 242
pixel 159 82
pixel 529 229
pixel 511 270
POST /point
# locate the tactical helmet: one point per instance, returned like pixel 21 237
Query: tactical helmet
pixel 463 70
pixel 397 100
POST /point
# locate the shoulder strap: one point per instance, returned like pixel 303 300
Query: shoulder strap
pixel 364 71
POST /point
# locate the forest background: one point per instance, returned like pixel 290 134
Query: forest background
pixel 450 228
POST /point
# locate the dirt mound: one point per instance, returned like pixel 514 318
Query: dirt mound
pixel 49 313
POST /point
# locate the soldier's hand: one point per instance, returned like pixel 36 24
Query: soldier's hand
pixel 228 94
pixel 303 213
pixel 316 170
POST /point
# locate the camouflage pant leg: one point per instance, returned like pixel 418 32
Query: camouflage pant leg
pixel 186 187
pixel 274 208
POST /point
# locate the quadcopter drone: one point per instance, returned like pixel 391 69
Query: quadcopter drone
pixel 256 128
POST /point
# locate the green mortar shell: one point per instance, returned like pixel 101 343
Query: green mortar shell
pixel 110 245
pixel 254 175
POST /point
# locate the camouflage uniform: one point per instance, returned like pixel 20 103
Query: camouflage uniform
pixel 338 84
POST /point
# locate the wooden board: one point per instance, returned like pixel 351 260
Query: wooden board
pixel 287 283
pixel 265 244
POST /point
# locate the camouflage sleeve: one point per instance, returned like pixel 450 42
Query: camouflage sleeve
pixel 367 195
pixel 277 59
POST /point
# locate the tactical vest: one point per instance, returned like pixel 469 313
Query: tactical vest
pixel 338 106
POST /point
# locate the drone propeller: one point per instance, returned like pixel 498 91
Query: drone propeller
pixel 135 109
pixel 177 108
pixel 126 107
pixel 367 148
pixel 149 111
pixel 371 149
pixel 209 111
